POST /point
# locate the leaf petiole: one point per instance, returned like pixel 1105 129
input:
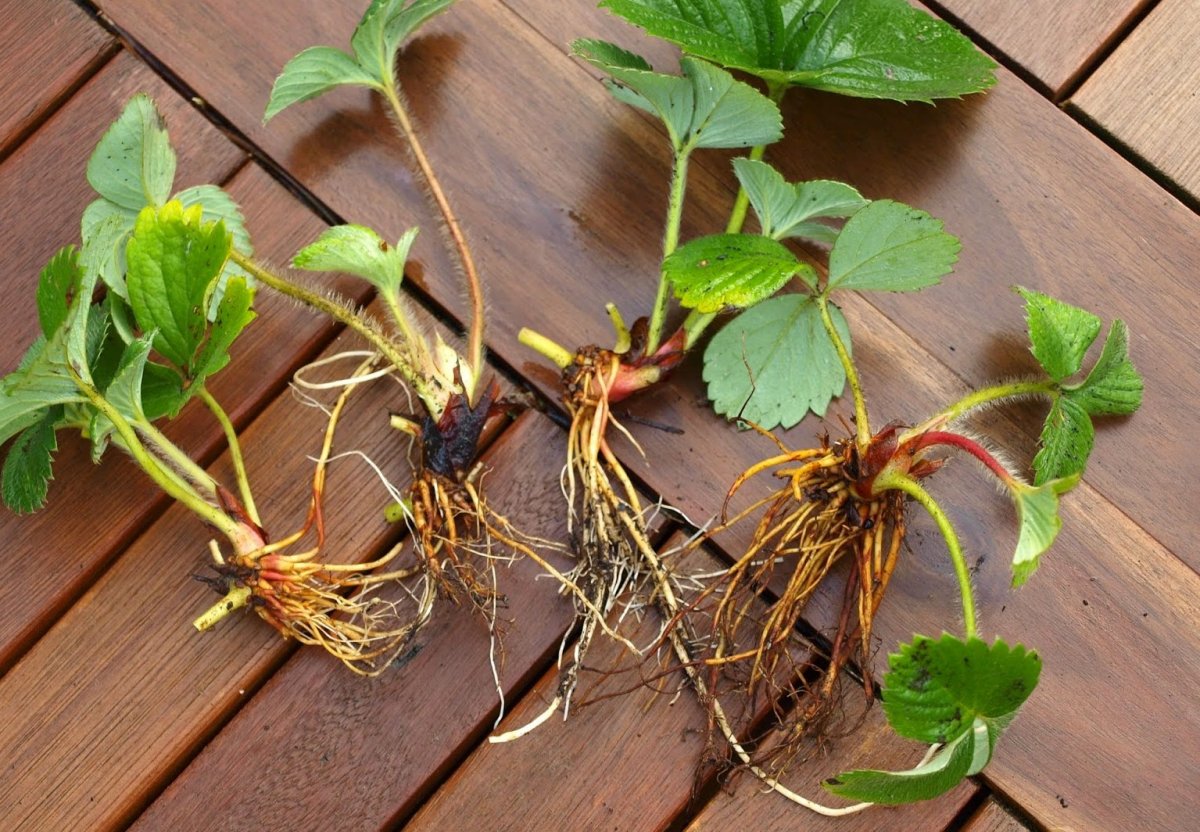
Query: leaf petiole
pixel 982 398
pixel 670 243
pixel 894 480
pixel 862 425
pixel 235 453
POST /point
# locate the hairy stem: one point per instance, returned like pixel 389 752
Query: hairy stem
pixel 339 313
pixel 173 454
pixel 169 483
pixel 694 326
pixel 670 243
pixel 235 453
pixel 474 287
pixel 862 425
pixel 981 398
pixel 970 446
pixel 903 482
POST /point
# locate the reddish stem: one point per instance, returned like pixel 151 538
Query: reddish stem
pixel 970 446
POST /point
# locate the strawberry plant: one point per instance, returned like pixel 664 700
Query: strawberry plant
pixel 868 48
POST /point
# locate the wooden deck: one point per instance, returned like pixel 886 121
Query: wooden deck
pixel 117 714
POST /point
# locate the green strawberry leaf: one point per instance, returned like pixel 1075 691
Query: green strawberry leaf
pixel 962 694
pixel 57 285
pixel 28 468
pixel 384 28
pixel 1037 511
pixel 888 246
pixel 934 690
pixel 233 315
pixel 41 381
pixel 174 261
pixel 313 72
pixel 133 165
pixel 124 393
pixel 961 758
pixel 1065 443
pixel 788 210
pixel 774 363
pixel 703 107
pixel 1113 386
pixel 379 35
pixel 358 250
pixel 723 270
pixel 866 48
pixel 1059 334
pixel 219 206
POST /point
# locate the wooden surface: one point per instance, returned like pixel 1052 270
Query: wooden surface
pixel 992 817
pixel 51 47
pixel 1052 41
pixel 116 713
pixel 1148 98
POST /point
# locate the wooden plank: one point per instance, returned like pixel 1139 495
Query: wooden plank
pixel 1053 42
pixel 49 48
pixel 629 762
pixel 993 817
pixel 362 751
pixel 115 699
pixel 1145 93
pixel 1002 167
pixel 62 548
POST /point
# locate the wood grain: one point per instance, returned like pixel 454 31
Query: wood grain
pixel 993 817
pixel 362 751
pixel 1054 42
pixel 1145 94
pixel 49 49
pixel 1033 195
pixel 648 744
pixel 111 703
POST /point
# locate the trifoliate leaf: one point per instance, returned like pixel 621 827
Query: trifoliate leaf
pixel 124 393
pixel 934 690
pixel 174 260
pixel 866 48
pixel 1113 386
pixel 788 210
pixel 1059 334
pixel 28 468
pixel 774 363
pixel 358 250
pixel 57 285
pixel 890 247
pixel 1037 511
pixel 134 165
pixel 722 270
pixel 1065 443
pixel 312 72
pixel 704 107
pixel 41 381
pixel 384 28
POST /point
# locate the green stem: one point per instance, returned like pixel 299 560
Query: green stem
pixel 670 243
pixel 863 426
pixel 235 453
pixel 902 482
pixel 737 218
pixel 176 456
pixel 474 286
pixel 741 204
pixel 172 485
pixel 340 314
pixel 980 398
pixel 694 326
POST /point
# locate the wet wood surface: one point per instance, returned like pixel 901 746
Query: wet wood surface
pixel 118 714
pixel 1146 97
pixel 1055 43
